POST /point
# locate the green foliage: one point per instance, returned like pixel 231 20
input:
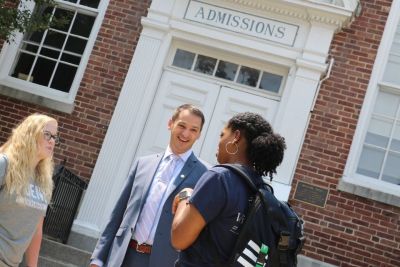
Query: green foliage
pixel 15 16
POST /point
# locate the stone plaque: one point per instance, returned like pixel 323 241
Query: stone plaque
pixel 311 194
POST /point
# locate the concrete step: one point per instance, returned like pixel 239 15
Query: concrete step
pixel 53 253
pixel 48 262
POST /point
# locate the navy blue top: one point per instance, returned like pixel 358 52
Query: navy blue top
pixel 221 197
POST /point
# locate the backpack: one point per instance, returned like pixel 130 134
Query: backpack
pixel 270 225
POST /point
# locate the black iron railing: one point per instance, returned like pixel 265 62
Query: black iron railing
pixel 67 193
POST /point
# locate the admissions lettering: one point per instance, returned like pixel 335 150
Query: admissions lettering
pixel 267 29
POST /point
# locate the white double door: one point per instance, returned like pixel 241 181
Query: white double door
pixel 218 103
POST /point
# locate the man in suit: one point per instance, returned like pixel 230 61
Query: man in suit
pixel 138 232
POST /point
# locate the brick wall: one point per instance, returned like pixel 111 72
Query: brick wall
pixel 350 230
pixel 83 131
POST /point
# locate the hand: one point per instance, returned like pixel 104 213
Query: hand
pixel 177 200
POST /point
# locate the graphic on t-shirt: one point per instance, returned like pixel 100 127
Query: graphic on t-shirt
pixel 34 199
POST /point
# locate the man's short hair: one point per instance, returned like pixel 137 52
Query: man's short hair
pixel 192 109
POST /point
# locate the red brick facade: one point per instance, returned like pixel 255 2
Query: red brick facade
pixel 83 131
pixel 350 230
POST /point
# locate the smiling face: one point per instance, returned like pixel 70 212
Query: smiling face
pixel 185 130
pixel 46 147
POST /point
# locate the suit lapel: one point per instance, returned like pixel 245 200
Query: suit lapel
pixel 149 168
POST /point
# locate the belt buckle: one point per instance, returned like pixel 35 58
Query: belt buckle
pixel 138 248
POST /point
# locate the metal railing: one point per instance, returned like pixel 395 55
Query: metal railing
pixel 67 193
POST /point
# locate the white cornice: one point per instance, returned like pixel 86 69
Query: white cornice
pixel 309 10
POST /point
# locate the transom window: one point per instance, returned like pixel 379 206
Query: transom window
pixel 230 71
pixel 51 58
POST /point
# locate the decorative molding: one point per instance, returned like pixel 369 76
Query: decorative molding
pixel 321 12
pixel 268 7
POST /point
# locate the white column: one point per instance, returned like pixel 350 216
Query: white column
pixel 292 122
pixel 303 84
pixel 120 143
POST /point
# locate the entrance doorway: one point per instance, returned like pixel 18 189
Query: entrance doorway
pixel 217 102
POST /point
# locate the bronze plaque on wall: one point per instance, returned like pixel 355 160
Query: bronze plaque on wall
pixel 311 194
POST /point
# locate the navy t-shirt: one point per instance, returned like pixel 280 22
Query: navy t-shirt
pixel 221 197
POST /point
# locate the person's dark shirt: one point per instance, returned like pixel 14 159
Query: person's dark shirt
pixel 221 197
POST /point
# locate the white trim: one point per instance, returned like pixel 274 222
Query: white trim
pixel 30 92
pixel 165 25
pixel 350 176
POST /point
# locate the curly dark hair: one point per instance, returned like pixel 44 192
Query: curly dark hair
pixel 265 148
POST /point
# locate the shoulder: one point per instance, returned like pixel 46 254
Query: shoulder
pixel 215 175
pixel 3 162
pixel 222 171
pixel 3 166
pixel 148 159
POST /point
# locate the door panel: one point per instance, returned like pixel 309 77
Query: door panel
pixel 229 103
pixel 175 90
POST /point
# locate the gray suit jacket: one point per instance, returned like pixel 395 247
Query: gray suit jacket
pixel 113 243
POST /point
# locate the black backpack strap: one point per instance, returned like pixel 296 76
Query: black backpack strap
pixel 257 201
pixel 283 244
pixel 238 170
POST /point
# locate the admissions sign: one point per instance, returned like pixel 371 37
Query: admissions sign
pixel 219 17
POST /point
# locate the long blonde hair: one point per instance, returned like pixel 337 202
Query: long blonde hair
pixel 21 149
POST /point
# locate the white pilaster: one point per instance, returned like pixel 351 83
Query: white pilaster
pixel 120 143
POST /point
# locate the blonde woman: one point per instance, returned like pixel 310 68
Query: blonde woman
pixel 26 184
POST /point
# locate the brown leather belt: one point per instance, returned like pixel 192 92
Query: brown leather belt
pixel 141 248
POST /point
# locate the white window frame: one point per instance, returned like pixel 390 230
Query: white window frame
pixel 351 181
pixel 262 66
pixel 40 94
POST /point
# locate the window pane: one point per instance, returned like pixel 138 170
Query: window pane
pixel 395 145
pixel 90 3
pixel 370 162
pixel 63 77
pixel 386 104
pixel 271 82
pixel 42 71
pixel 66 16
pixel 75 45
pixel 379 132
pixel 248 76
pixel 83 25
pixel 70 58
pixel 391 173
pixel 205 64
pixel 226 70
pixel 391 73
pixel 34 37
pixel 55 39
pixel 183 59
pixel 50 53
pixel 23 66
pixel 392 70
pixel 29 47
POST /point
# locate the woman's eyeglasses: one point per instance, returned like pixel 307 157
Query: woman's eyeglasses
pixel 47 136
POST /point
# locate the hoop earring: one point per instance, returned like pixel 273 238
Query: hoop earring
pixel 231 153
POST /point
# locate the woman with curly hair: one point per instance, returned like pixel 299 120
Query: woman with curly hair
pixel 215 209
pixel 26 184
